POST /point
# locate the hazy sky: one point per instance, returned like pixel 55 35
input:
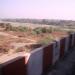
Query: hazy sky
pixel 51 9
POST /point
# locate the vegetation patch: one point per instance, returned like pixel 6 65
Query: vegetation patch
pixel 31 38
pixel 46 40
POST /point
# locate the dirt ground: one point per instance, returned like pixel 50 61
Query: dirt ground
pixel 12 41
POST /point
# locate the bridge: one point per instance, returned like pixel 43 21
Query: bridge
pixel 56 58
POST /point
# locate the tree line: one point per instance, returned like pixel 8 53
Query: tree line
pixel 42 21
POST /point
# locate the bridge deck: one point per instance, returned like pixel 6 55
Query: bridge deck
pixel 65 66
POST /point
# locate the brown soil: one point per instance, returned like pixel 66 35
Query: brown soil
pixel 22 41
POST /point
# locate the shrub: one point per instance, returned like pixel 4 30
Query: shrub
pixel 12 28
pixel 33 33
pixel 46 40
pixel 44 30
pixel 2 25
pixel 22 29
pixel 20 49
pixel 40 30
pixel 8 27
pixel 50 30
pixel 37 30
